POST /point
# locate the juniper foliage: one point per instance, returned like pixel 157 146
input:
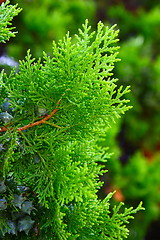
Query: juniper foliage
pixel 52 111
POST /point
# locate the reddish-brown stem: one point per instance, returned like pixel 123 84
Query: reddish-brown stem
pixel 3 129
pixel 38 122
pixel 43 120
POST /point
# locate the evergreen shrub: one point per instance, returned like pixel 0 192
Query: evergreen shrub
pixel 52 112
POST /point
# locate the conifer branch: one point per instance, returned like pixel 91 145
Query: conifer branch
pixel 61 167
pixel 43 120
pixel 7 12
pixel 3 129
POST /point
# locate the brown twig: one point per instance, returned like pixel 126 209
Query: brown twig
pixel 43 120
pixel 3 129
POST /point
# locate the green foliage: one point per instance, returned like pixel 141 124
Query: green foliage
pixel 142 23
pixel 42 21
pixel 7 12
pixel 55 109
pixel 144 186
pixel 141 72
pixel 140 37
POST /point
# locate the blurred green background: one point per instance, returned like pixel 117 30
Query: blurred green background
pixel 134 168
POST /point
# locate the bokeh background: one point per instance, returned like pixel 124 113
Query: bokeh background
pixel 134 168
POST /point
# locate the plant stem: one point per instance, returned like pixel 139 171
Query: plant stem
pixel 43 120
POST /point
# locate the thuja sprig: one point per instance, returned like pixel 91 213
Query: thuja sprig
pixel 7 12
pixel 57 156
